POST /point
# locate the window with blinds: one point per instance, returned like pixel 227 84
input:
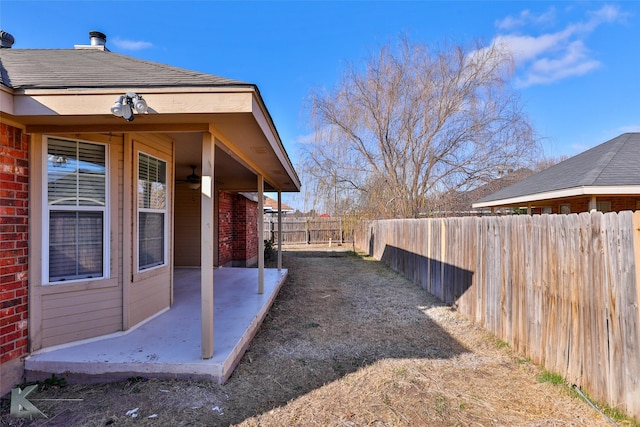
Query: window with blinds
pixel 152 211
pixel 76 210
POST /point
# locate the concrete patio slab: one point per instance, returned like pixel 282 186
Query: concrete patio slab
pixel 168 345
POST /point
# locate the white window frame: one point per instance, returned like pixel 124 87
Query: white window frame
pixel 164 211
pixel 46 210
pixel 565 208
pixel 604 206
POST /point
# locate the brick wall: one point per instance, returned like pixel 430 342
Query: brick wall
pixel 237 230
pixel 225 228
pixel 251 230
pixel 246 230
pixel 581 204
pixel 14 250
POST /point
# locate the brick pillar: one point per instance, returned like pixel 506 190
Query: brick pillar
pixel 14 254
pixel 225 229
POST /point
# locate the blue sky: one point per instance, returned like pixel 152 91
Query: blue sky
pixel 577 63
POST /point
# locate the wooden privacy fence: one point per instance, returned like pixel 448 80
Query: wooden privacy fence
pixel 307 230
pixel 561 289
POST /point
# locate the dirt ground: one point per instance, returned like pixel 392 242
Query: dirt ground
pixel 348 342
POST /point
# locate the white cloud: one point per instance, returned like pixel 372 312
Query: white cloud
pixel 629 128
pixel 525 18
pixel 548 57
pixel 608 13
pixel 573 61
pixel 132 44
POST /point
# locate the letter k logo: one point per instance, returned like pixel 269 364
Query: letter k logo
pixel 21 407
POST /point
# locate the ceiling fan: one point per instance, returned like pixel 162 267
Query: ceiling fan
pixel 192 180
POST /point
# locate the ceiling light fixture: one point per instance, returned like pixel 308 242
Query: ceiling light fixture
pixel 193 180
pixel 126 104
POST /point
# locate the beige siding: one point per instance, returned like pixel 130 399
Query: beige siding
pixel 187 226
pixel 68 312
pixel 150 291
pixel 149 296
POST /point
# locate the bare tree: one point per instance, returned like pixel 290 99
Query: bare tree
pixel 416 122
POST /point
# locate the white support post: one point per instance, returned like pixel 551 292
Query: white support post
pixel 260 234
pixel 593 204
pixel 207 243
pixel 279 230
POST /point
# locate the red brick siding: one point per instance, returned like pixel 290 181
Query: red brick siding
pixel 237 229
pixel 14 238
pixel 225 228
pixel 246 230
pixel 581 204
pixel 252 229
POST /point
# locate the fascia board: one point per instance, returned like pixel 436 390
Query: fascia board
pixel 6 101
pixel 88 104
pixel 265 123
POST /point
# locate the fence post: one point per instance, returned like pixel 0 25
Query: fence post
pixel 633 370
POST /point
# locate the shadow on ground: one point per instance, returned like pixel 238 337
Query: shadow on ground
pixel 336 313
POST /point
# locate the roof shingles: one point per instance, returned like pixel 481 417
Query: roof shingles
pixel 613 163
pixel 94 68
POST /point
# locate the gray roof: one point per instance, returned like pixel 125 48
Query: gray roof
pixel 95 68
pixel 614 163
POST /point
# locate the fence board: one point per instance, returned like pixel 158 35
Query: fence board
pixel 563 290
pixel 307 230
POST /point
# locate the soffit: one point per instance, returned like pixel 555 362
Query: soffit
pixel 238 124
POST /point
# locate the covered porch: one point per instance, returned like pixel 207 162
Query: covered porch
pixel 168 345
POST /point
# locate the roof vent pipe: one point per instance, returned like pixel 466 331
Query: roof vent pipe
pixel 6 40
pixel 97 38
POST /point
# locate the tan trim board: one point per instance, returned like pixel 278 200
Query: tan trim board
pixel 123 126
pixel 117 91
pixel 6 102
pixel 36 162
pixel 74 104
pixel 262 118
pixel 127 230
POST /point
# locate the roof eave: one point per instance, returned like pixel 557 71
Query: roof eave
pixel 560 194
pixel 264 119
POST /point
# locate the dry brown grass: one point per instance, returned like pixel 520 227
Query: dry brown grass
pixel 348 342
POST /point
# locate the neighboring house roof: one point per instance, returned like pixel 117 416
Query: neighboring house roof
pixel 271 205
pixel 461 201
pixel 609 168
pixel 94 68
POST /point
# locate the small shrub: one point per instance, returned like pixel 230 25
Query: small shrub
pixel 269 249
pixel 502 344
pixel 550 377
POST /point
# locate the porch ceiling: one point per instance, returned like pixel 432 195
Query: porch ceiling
pixel 230 174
